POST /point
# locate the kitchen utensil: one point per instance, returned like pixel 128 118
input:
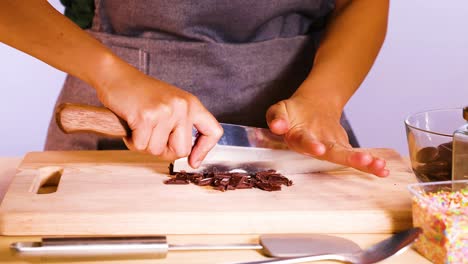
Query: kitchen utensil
pixel 273 245
pixel 460 150
pixel 122 193
pixel 429 136
pixel 249 149
pixel 375 253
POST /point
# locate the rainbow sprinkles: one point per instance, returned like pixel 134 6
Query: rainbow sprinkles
pixel 443 216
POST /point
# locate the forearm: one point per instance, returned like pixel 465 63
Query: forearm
pixel 36 28
pixel 348 49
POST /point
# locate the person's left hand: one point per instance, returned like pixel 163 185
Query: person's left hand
pixel 314 129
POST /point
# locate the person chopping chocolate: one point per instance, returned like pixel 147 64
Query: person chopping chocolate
pixel 166 66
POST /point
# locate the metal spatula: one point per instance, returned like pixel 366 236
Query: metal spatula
pixel 378 252
pixel 275 245
pixel 250 149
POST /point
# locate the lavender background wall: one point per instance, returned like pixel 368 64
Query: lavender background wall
pixel 423 64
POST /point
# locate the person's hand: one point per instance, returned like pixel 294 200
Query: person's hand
pixel 161 116
pixel 315 130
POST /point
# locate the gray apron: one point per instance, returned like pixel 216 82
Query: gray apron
pixel 238 57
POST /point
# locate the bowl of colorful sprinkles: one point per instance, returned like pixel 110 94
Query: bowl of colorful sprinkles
pixel 441 210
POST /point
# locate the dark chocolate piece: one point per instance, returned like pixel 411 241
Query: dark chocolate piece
pixel 223 181
pixel 427 154
pixel 445 151
pixel 176 181
pixel 266 186
pixel 204 182
pixel 435 164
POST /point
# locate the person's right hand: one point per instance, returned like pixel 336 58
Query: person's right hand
pixel 161 116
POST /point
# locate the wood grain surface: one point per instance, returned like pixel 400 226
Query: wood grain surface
pixel 122 193
pixel 72 118
pixel 8 170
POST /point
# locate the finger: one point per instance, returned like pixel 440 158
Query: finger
pixel 210 131
pixel 141 137
pixel 378 167
pixel 305 143
pixel 129 143
pixel 180 140
pixel 277 118
pixel 159 139
pixel 350 157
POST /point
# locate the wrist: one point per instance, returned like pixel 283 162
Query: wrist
pixel 326 95
pixel 106 70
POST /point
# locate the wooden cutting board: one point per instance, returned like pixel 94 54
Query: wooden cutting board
pixel 122 193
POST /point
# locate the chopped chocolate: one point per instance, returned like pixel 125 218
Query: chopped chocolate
pixel 278 180
pixel 246 182
pixel 236 178
pixel 176 181
pixel 266 186
pixel 204 182
pixel 223 181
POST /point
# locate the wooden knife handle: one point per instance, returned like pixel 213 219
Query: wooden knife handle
pixel 73 118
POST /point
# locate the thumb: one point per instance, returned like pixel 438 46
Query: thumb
pixel 277 118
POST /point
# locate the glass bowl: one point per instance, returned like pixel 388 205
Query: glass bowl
pixel 429 136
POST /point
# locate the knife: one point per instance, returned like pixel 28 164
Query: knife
pixel 241 148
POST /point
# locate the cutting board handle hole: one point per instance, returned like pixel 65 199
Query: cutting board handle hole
pixel 47 180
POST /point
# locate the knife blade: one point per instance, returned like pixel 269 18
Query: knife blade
pixel 241 148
